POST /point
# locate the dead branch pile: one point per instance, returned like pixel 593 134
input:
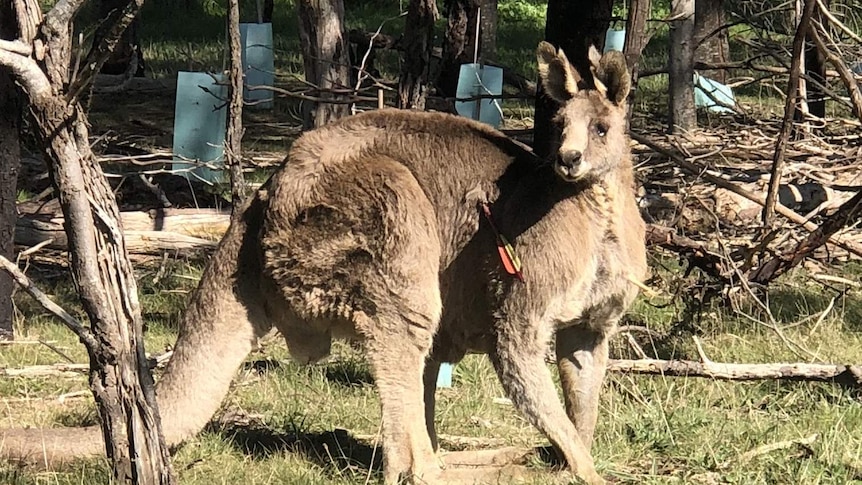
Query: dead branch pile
pixel 704 193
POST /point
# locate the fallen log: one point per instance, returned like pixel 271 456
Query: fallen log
pixel 848 375
pixel 48 370
pixel 72 369
pixel 150 232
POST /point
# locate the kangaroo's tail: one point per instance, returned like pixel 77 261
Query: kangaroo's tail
pixel 220 326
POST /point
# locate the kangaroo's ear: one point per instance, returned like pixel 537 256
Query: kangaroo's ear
pixel 612 76
pixel 558 77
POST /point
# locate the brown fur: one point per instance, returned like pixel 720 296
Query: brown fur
pixel 371 231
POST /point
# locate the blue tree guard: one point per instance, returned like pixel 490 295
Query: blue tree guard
pixel 200 119
pixel 477 80
pixel 258 64
pixel 717 92
pixel 615 40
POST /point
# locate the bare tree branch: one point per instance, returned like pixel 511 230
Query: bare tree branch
pixel 843 72
pixel 107 36
pixel 826 13
pixel 24 282
pixel 698 170
pixel 27 72
pixel 16 47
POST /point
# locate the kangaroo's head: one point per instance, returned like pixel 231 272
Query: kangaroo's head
pixel 592 115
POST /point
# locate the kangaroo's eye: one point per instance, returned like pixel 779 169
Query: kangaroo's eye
pixel 601 130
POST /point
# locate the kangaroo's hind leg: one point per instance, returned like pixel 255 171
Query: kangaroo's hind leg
pixel 397 349
pixel 398 336
pixel 519 359
pixel 363 252
pixel 582 357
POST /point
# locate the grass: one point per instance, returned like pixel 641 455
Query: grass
pixel 651 430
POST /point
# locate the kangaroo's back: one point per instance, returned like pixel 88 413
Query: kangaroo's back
pixel 456 162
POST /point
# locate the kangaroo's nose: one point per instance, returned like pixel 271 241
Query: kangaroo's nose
pixel 570 158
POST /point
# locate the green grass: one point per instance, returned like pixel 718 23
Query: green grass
pixel 654 430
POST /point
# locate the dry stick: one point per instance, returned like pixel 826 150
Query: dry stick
pixel 48 370
pixel 57 351
pixel 769 448
pixel 843 72
pixel 107 36
pixel 5 343
pixel 789 109
pixel 24 282
pixel 848 213
pixel 699 170
pixel 826 13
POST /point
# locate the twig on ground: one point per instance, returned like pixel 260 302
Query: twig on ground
pixel 72 369
pixel 35 249
pixel 836 279
pixel 639 329
pixel 24 342
pixel 52 370
pixel 57 351
pixel 635 346
pixel 769 448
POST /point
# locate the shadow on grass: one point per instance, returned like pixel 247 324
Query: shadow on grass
pixel 795 304
pixel 332 450
pixel 335 450
pixel 347 372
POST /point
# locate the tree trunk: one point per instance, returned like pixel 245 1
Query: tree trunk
pixel 815 66
pixel 801 110
pixel 10 156
pixel 636 39
pixel 119 377
pixel 683 116
pixel 10 159
pixel 416 57
pixel 266 11
pixel 712 43
pixel 325 57
pixel 233 141
pixel 488 31
pixel 572 25
pixel 127 57
pixel 458 43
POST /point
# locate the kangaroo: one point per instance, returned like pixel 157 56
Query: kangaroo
pixel 384 227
